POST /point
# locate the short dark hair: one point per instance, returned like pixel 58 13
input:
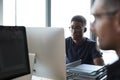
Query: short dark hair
pixel 111 5
pixel 79 18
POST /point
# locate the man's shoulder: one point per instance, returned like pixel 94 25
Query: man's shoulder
pixel 113 71
pixel 114 65
pixel 90 41
pixel 68 39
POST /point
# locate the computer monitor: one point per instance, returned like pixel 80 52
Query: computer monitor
pixel 28 76
pixel 49 45
pixel 14 61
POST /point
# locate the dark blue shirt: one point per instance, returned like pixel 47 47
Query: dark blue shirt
pixel 113 71
pixel 86 51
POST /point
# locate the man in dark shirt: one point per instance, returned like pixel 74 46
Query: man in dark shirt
pixel 107 27
pixel 79 47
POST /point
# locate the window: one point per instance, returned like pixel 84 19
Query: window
pixel 31 13
pixel 8 12
pixel 63 10
pixel 27 13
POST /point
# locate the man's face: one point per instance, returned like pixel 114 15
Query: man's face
pixel 103 26
pixel 77 30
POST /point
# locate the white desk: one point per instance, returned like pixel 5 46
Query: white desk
pixel 39 78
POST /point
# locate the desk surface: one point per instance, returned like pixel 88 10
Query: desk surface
pixel 39 78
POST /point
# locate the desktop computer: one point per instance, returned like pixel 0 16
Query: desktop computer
pixel 48 44
pixel 28 76
pixel 14 60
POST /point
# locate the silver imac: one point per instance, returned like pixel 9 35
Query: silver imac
pixel 49 45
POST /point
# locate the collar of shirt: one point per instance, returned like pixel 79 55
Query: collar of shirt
pixel 85 39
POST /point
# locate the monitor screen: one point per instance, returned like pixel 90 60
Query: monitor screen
pixel 14 60
pixel 49 45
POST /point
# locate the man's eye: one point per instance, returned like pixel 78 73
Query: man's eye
pixel 98 16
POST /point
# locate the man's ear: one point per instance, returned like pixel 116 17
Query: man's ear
pixel 85 29
pixel 117 22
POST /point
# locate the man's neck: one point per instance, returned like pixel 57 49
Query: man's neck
pixel 77 42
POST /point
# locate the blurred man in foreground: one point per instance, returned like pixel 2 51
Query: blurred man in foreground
pixel 107 27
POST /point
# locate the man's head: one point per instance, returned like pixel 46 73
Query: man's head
pixel 107 23
pixel 77 27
